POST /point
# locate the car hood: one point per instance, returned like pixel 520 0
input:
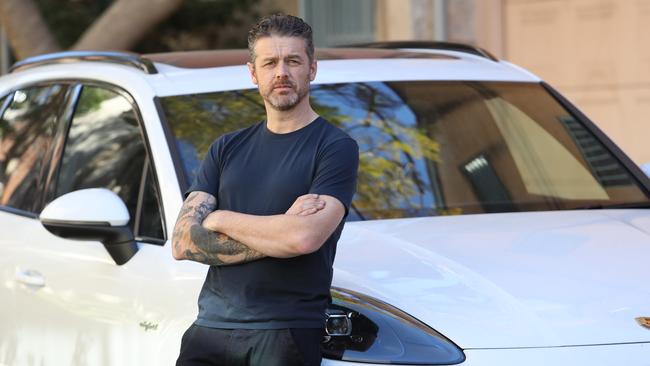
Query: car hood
pixel 538 279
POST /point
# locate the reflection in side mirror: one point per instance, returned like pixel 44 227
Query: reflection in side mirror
pixel 92 214
pixel 645 168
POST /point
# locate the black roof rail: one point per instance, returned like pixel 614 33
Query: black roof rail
pixel 445 46
pixel 122 58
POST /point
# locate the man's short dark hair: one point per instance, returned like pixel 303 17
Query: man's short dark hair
pixel 282 25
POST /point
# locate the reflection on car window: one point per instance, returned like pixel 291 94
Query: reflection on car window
pixel 196 120
pixel 104 148
pixel 27 128
pixel 436 148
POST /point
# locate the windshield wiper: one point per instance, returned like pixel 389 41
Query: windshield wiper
pixel 600 206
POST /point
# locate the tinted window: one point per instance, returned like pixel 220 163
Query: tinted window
pixel 150 224
pixel 27 128
pixel 432 148
pixel 105 149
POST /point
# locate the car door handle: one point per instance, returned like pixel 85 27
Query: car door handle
pixel 31 278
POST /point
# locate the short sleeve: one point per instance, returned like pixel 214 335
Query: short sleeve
pixel 207 177
pixel 336 171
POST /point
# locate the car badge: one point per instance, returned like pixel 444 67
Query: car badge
pixel 644 321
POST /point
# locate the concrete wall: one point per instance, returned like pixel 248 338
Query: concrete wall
pixel 394 20
pixel 399 20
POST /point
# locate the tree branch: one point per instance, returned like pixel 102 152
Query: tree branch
pixel 26 30
pixel 125 23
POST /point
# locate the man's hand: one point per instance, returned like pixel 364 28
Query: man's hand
pixel 306 205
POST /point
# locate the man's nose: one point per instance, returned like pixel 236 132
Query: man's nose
pixel 282 70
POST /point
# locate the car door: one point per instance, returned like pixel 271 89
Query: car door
pixel 76 306
pixel 30 128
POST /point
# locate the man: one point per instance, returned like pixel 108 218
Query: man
pixel 265 212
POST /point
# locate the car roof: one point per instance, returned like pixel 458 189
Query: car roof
pixel 221 58
pixel 216 58
pixel 192 72
pixel 207 71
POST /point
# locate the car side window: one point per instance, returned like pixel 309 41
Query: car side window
pixel 27 130
pixel 105 149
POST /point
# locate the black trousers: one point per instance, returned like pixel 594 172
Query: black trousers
pixel 250 347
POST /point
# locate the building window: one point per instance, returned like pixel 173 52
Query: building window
pixel 340 22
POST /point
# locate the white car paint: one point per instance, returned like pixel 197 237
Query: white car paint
pixel 184 81
pixel 455 273
pixel 87 310
pixel 92 205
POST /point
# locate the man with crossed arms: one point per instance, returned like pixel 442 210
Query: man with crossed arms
pixel 265 212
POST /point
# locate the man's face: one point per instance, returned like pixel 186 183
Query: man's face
pixel 282 71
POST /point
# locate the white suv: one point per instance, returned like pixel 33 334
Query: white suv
pixel 493 224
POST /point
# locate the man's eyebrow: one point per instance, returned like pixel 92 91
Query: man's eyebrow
pixel 291 56
pixel 269 58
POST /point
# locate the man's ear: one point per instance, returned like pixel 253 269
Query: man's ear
pixel 312 70
pixel 251 70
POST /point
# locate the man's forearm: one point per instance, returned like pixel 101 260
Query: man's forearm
pixel 213 248
pixel 194 242
pixel 280 236
pixel 265 234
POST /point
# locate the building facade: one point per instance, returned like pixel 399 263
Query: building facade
pixel 590 50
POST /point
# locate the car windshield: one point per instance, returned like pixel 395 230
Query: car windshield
pixel 437 148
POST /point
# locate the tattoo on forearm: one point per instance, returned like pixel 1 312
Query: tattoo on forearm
pixel 207 246
pixel 218 249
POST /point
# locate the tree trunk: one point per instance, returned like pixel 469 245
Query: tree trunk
pixel 25 28
pixel 125 23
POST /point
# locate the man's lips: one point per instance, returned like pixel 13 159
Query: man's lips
pixel 283 86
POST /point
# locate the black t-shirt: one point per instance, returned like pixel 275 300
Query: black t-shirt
pixel 255 171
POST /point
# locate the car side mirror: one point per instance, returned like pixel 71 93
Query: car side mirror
pixel 92 214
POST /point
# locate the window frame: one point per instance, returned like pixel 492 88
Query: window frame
pixel 78 85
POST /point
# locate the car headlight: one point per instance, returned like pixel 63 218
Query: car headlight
pixel 363 329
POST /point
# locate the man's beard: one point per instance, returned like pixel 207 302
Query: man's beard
pixel 285 103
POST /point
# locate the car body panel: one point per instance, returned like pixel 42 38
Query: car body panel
pixel 533 279
pixel 83 313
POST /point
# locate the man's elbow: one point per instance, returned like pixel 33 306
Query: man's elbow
pixel 306 243
pixel 177 253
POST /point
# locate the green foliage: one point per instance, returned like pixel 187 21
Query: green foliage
pixel 92 98
pixel 389 179
pixel 201 119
